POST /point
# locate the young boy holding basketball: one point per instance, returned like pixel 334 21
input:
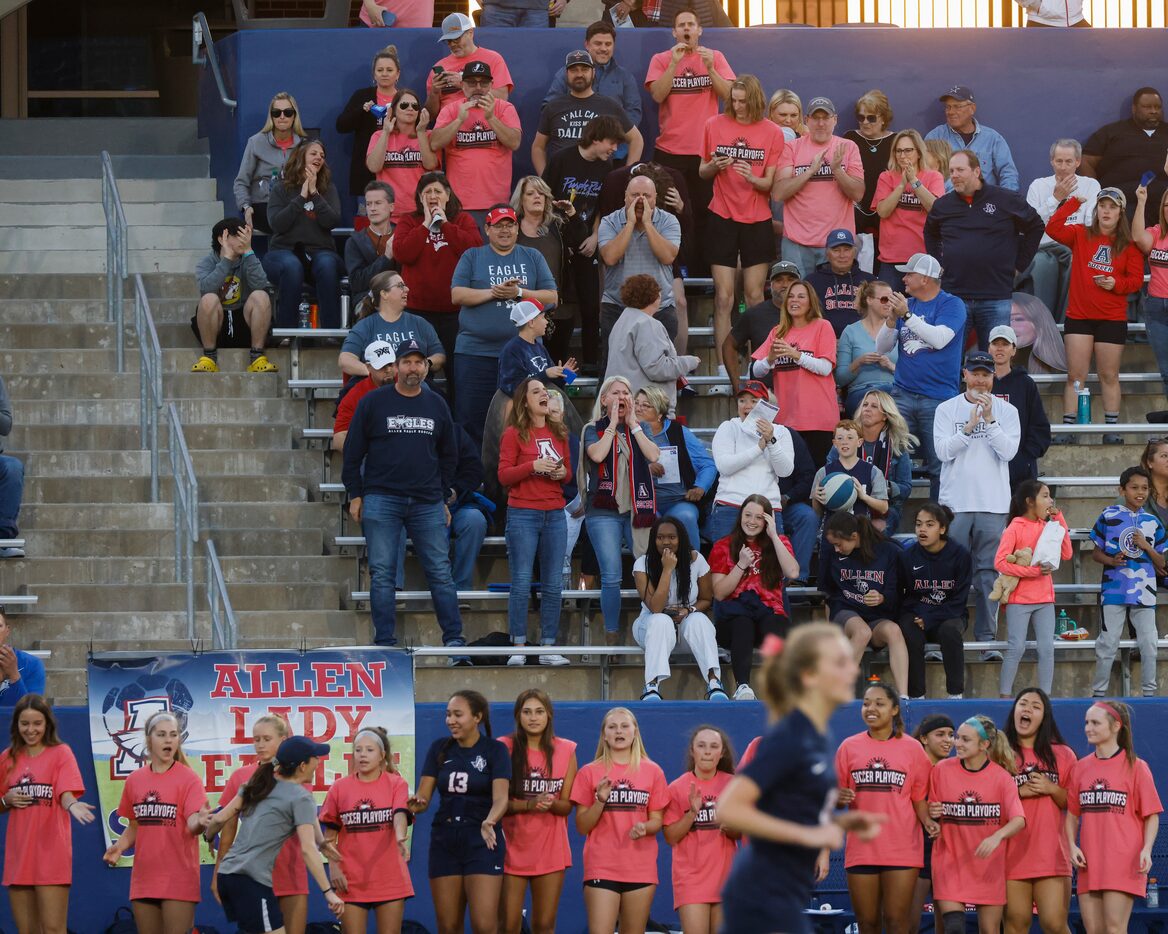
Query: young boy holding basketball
pixel 871 485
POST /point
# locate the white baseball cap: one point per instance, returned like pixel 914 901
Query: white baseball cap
pixel 1005 332
pixel 522 312
pixel 380 354
pixel 923 265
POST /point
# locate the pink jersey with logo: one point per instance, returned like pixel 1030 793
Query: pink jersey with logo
pixel 759 144
pixel 363 812
pixel 537 841
pixel 806 400
pixel 691 102
pixel 401 169
pixel 166 854
pixel 902 233
pixel 888 776
pixel 500 75
pixel 820 206
pixel 702 858
pixel 38 847
pixel 478 166
pixel 609 852
pixel 1041 849
pixel 1158 263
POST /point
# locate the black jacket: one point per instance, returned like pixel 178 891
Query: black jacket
pixel 1020 391
pixel 797 487
pixel 362 124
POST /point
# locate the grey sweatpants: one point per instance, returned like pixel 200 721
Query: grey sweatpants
pixel 1019 617
pixel 1143 619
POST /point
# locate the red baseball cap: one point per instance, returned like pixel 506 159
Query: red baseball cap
pixel 501 214
pixel 756 388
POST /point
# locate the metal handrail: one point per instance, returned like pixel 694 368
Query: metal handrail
pixel 186 510
pixel 201 38
pixel 224 628
pixel 117 267
pixel 150 397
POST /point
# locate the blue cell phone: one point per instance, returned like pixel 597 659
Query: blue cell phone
pixel 1146 178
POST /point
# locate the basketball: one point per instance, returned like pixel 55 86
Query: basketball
pixel 839 491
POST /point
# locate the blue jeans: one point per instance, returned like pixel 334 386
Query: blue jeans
pixel 1156 321
pixel 382 520
pixel 478 377
pixel 607 532
pixel 11 493
pixel 983 315
pixel 532 533
pixel 805 257
pixel 468 528
pixel 801 526
pixel 286 272
pixel 684 512
pixel 918 412
pixel 890 274
pixel 495 15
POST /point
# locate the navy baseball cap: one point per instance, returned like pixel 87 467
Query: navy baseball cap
pixel 979 360
pixel 579 57
pixel 959 92
pixel 410 346
pixel 841 236
pixel 296 750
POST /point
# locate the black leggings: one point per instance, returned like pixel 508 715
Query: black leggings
pixel 950 634
pixel 742 623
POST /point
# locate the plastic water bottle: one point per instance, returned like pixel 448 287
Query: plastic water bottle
pixel 1063 624
pixel 1153 899
pixel 305 316
pixel 1084 411
pixel 742 306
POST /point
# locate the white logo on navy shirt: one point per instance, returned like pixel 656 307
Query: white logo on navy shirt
pixel 479 763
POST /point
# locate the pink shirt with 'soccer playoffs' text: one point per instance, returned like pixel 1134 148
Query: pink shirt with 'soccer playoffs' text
pixel 701 860
pixel 478 166
pixel 609 852
pixel 759 144
pixel 401 169
pixel 820 206
pixel 683 114
pixel 38 847
pixel 166 853
pixel 1158 263
pixel 363 812
pixel 1041 849
pixel 902 233
pixel 807 401
pixel 289 874
pixel 537 841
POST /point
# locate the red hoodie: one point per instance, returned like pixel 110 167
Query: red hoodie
pixel 1090 257
pixel 428 260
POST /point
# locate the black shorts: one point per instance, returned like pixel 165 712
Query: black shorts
pixel 233 332
pixel 250 904
pixel 1104 332
pixel 927 869
pixel 457 848
pixel 727 240
pixel 610 885
pixel 875 870
pixel 368 906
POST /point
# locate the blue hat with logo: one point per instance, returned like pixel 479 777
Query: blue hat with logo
pixel 979 360
pixel 296 750
pixel 841 236
pixel 408 347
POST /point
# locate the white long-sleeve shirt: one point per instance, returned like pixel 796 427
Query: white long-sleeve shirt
pixel 744 469
pixel 1040 196
pixel 975 468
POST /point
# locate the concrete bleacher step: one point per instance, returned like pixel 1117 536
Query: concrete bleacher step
pixel 74 437
pixel 116 135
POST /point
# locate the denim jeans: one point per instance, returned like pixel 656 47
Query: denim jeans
pixel 532 533
pixel 478 377
pixel 1156 322
pixel 287 273
pixel 918 412
pixel 11 493
pixel 684 512
pixel 983 315
pixel 805 257
pixel 382 519
pixel 496 15
pixel 1050 277
pixel 890 274
pixel 607 532
pixel 720 522
pixel 468 528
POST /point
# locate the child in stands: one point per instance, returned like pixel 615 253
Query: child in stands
pixel 871 485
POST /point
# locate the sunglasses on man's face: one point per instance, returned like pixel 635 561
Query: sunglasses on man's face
pixel 285 112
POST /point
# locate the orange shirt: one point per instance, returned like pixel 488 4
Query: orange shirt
pixel 363 812
pixel 38 847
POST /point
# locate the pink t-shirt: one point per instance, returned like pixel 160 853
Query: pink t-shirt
pixel 166 854
pixel 760 144
pixel 749 752
pixel 363 812
pixel 807 402
pixel 609 852
pixel 976 804
pixel 477 164
pixel 500 76
pixel 411 14
pixel 289 874
pixel 702 858
pixel 537 841
pixel 693 101
pixel 401 170
pixel 38 847
pixel 1112 798
pixel 888 777
pixel 820 206
pixel 1041 849
pixel 902 233
pixel 1158 263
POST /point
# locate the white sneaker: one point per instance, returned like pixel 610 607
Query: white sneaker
pixel 743 692
pixel 933 657
pixel 554 659
pixel 514 661
pixel 956 696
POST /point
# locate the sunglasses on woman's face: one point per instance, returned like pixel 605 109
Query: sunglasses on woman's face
pixel 867 118
pixel 885 299
pixel 409 105
pixel 285 112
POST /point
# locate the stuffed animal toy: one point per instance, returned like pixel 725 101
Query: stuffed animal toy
pixel 1005 584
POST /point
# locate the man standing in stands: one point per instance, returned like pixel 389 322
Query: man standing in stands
pixel 837 280
pixel 820 178
pixel 444 82
pixel 983 235
pixel 1015 385
pixel 400 459
pixel 20 673
pixel 962 131
pixel 563 119
pixel 370 251
pixel 753 326
pixel 1119 153
pixel 11 481
pixel 609 78
pixel 381 366
pixel 688 82
pixel 479 132
pixel 235 304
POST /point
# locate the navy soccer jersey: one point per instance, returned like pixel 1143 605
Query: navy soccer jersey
pixel 770 883
pixel 464 778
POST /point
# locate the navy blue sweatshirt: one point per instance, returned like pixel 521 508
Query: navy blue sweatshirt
pixel 935 586
pixel 406 443
pixel 520 359
pixel 837 294
pixel 848 578
pixel 981 245
pixel 1020 391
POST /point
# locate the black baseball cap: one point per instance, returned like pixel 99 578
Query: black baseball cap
pixel 408 347
pixel 979 360
pixel 296 750
pixel 477 70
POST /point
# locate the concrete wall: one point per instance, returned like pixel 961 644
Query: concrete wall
pixel 1032 85
pixel 97 891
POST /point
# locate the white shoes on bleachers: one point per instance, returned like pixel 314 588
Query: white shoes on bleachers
pixel 554 659
pixel 743 692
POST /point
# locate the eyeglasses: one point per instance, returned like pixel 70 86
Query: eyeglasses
pixel 285 112
pixel 400 284
pixel 904 151
pixel 959 106
pixel 409 105
pixel 868 118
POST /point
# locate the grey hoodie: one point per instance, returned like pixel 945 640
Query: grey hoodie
pixel 262 160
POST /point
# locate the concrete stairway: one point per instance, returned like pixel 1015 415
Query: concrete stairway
pixel 51 217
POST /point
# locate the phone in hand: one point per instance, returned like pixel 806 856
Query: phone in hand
pixel 1146 178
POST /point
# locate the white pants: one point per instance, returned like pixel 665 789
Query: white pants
pixel 657 635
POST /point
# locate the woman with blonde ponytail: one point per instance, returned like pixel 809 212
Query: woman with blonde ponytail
pixel 973 808
pixel 784 797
